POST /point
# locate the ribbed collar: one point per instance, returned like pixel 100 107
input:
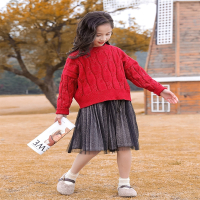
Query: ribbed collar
pixel 105 46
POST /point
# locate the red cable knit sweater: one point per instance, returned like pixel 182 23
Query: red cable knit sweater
pixel 101 77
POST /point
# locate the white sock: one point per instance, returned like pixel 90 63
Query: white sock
pixel 71 175
pixel 124 181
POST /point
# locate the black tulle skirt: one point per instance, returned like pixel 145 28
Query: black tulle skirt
pixel 107 127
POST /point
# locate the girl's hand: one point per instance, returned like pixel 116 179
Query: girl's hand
pixel 58 118
pixel 169 96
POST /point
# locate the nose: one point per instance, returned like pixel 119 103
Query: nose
pixel 103 38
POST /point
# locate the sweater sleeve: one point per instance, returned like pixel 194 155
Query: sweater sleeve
pixel 68 86
pixel 138 76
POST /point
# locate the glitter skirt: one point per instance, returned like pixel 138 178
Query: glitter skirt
pixel 106 127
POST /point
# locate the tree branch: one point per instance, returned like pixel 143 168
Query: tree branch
pixel 50 28
pixel 59 65
pixel 13 70
pixel 24 71
pixel 11 56
pixel 120 9
pixel 18 53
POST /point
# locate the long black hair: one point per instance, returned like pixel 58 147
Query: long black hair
pixel 86 32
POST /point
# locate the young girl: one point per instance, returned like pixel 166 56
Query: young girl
pixel 95 75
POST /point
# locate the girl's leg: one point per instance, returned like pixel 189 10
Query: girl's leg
pixel 124 162
pixel 124 165
pixel 66 183
pixel 81 160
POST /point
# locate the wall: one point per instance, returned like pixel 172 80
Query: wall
pixel 188 94
pixel 189 38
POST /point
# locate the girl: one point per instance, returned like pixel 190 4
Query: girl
pixel 95 75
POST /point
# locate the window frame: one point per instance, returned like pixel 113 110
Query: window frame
pixel 159 101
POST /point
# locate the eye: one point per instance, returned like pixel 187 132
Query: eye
pixel 106 35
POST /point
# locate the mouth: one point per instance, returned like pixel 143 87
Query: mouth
pixel 100 42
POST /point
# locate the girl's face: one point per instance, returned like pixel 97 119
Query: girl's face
pixel 103 34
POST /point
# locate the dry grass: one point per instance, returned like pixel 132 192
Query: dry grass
pixel 25 104
pixel 166 166
pixel 38 104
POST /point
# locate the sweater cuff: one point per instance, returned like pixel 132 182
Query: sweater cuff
pixel 62 111
pixel 159 89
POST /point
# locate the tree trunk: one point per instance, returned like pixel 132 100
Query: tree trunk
pixel 49 89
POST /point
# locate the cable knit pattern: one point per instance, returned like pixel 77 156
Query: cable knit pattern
pixel 101 77
pixel 138 76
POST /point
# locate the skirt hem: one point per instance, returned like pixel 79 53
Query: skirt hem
pixel 108 151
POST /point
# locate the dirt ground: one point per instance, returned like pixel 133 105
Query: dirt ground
pixel 167 166
pixel 38 104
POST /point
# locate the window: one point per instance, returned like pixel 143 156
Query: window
pixel 159 104
pixel 164 22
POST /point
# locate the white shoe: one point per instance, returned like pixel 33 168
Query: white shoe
pixel 126 191
pixel 65 185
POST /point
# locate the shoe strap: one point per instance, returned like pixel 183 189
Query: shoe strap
pixel 122 186
pixel 66 179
